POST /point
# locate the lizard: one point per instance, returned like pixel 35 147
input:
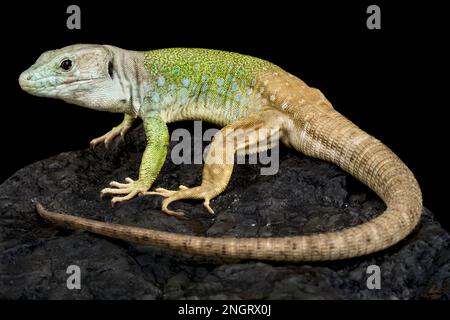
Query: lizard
pixel 238 93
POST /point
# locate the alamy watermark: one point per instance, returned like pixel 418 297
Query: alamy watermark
pixel 374 280
pixel 374 19
pixel 74 20
pixel 228 146
pixel 73 282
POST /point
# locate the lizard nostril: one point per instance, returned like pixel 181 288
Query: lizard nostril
pixel 29 77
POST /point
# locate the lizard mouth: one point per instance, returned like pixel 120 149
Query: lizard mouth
pixel 37 86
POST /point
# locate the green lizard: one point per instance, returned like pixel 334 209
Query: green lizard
pixel 240 93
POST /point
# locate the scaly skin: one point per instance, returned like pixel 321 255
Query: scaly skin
pixel 242 94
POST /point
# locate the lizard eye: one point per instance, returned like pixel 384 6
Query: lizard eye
pixel 66 64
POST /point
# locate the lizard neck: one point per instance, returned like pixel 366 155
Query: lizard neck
pixel 130 80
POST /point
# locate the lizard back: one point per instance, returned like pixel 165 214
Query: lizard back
pixel 201 84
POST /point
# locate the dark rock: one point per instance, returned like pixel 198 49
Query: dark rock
pixel 306 196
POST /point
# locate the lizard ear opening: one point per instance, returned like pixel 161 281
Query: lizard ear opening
pixel 111 70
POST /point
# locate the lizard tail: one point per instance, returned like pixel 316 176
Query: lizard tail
pixel 326 135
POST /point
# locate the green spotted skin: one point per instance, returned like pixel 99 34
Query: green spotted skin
pixel 231 90
pixel 199 84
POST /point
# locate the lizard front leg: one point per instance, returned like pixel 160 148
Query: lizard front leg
pixel 121 130
pixel 152 160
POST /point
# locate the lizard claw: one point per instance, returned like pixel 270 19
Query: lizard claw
pixel 208 207
pixel 183 192
pixel 108 137
pixel 128 190
pixel 164 192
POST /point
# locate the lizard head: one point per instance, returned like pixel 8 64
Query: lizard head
pixel 82 74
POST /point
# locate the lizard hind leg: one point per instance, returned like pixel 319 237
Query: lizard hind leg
pixel 215 179
pixel 247 135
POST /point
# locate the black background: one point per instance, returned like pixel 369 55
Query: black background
pixel 391 82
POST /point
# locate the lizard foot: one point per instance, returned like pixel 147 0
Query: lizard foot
pixel 107 138
pixel 129 190
pixel 184 192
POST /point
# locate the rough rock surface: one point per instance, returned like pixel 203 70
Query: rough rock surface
pixel 307 195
